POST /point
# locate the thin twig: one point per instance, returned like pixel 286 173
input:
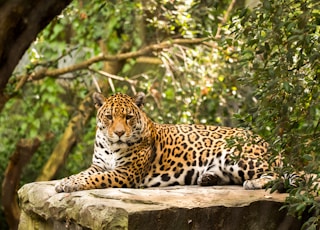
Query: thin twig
pixel 225 17
pixel 115 77
pixel 95 82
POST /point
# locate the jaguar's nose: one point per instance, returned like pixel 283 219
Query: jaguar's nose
pixel 119 133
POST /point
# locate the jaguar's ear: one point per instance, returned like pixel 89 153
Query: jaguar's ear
pixel 98 99
pixel 140 97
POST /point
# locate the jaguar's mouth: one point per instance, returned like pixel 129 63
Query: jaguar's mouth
pixel 119 142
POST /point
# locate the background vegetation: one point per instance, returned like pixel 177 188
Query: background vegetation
pixel 198 61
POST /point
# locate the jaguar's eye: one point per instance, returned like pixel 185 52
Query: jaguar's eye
pixel 109 117
pixel 128 117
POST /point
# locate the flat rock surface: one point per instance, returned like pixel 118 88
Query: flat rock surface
pixel 119 208
pixel 151 198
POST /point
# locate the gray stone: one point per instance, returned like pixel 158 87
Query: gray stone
pixel 180 207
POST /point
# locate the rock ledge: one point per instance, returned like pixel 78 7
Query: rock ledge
pixel 180 207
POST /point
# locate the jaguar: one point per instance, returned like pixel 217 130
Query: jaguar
pixel 132 151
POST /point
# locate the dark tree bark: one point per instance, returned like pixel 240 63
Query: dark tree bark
pixel 21 21
pixel 25 149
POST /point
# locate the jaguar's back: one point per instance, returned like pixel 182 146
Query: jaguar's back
pixel 205 155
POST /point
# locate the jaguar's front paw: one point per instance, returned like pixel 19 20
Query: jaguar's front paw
pixel 70 184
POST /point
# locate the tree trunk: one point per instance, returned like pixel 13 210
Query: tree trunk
pixel 23 153
pixel 21 21
pixel 68 140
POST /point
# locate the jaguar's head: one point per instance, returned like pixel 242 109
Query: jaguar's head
pixel 120 118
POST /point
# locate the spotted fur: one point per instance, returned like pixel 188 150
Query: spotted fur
pixel 132 151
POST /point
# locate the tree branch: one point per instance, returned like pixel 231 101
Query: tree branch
pixel 46 72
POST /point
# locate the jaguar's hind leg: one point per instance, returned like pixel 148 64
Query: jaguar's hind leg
pixel 209 179
pixel 258 183
pixel 214 177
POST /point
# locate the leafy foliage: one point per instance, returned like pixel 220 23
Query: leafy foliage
pixel 279 54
